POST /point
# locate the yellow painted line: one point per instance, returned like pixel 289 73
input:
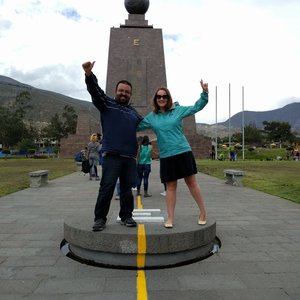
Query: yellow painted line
pixel 141 256
pixel 139 202
pixel 141 283
pixel 141 286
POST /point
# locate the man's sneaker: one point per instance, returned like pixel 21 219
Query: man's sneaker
pixel 163 193
pixel 129 222
pixel 99 225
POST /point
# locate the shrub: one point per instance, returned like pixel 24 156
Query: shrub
pixel 6 151
pixel 31 151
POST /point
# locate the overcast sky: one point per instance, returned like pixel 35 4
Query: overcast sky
pixel 250 43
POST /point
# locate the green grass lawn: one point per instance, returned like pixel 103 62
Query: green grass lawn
pixel 279 178
pixel 14 172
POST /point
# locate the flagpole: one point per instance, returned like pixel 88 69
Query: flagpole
pixel 216 147
pixel 243 123
pixel 229 125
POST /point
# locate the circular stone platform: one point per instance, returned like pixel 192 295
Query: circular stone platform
pixel 118 246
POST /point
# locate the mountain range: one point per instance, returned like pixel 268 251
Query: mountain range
pixel 46 103
pixel 289 113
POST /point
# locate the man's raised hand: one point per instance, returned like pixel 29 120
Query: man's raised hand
pixel 87 67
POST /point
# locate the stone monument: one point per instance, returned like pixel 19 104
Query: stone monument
pixel 136 53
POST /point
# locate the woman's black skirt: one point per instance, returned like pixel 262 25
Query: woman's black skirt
pixel 177 167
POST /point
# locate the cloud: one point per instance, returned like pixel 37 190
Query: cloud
pixel 171 37
pixel 5 24
pixel 247 43
pixel 71 13
pixel 54 78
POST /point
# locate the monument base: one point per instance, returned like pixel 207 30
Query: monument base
pixel 118 246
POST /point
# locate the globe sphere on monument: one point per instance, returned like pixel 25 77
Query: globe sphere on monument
pixel 138 7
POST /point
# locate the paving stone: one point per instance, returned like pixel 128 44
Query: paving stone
pixel 259 257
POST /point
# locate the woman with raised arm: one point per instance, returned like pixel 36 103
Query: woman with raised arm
pixel 176 158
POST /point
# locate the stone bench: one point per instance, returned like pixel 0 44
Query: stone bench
pixel 234 177
pixel 78 165
pixel 39 178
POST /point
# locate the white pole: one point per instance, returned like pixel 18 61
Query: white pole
pixel 243 123
pixel 229 125
pixel 216 147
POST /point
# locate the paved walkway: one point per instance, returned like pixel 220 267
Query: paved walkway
pixel 259 257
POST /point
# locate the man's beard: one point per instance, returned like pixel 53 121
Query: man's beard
pixel 123 100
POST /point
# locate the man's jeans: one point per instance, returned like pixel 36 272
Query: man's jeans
pixel 143 171
pixel 115 166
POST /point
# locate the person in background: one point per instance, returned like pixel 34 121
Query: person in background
pixel 119 121
pixel 231 153
pixel 213 152
pixel 93 149
pixel 164 193
pixel 81 155
pixel 176 158
pixel 144 165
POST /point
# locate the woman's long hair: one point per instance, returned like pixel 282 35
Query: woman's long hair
pixel 146 140
pixel 169 99
pixel 94 137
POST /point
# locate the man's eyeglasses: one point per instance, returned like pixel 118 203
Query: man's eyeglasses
pixel 162 96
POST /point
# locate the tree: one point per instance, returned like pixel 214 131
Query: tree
pixel 21 105
pixel 252 135
pixel 12 124
pixel 12 127
pixel 54 129
pixel 61 127
pixel 4 125
pixel 26 144
pixel 70 120
pixel 278 131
